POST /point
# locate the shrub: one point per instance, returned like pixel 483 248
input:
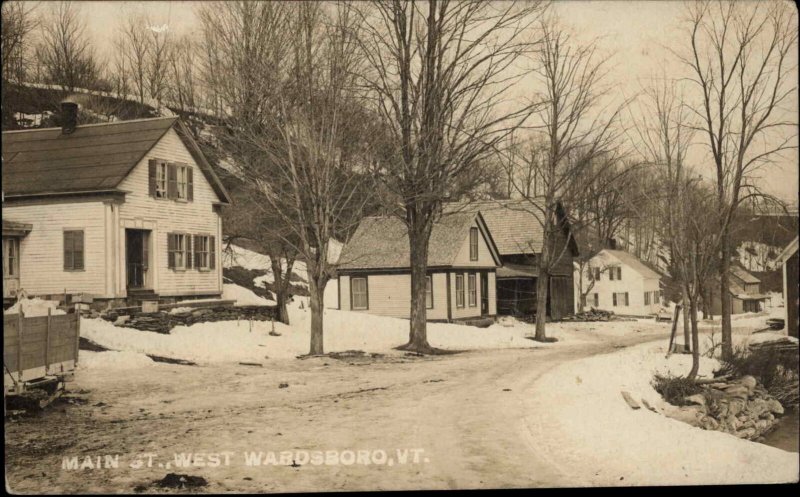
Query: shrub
pixel 675 389
pixel 775 369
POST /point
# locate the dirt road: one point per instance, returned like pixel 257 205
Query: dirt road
pixel 461 417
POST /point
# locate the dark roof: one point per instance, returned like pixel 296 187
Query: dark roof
pixel 381 242
pixel 95 157
pixel 634 263
pixel 515 224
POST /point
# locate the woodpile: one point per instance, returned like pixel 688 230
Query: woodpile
pixel 783 345
pixel 164 322
pixel 591 315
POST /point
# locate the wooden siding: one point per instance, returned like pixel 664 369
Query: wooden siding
pixel 35 344
pixel 163 216
pixel 390 295
pixel 466 311
pixel 42 250
pixel 632 282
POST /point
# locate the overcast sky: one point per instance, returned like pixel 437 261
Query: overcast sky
pixel 635 32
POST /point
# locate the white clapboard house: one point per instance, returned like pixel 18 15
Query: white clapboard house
pixel 374 274
pixel 121 211
pixel 620 283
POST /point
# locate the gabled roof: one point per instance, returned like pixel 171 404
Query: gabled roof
pixel 742 274
pixel 788 251
pixel 633 262
pixel 381 242
pixel 515 227
pixel 95 157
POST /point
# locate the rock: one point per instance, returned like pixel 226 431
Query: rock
pixel 757 407
pixel 775 407
pixel 735 406
pixel 632 403
pixel 697 399
pixel 738 391
pixel 732 422
pixel 718 386
pixel 688 414
pixel 746 433
pixel 762 425
pixel 749 382
pixel 709 423
pixel 648 406
pixel 121 320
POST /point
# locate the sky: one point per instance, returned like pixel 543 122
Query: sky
pixel 633 34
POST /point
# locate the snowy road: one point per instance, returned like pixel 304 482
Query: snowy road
pixel 465 412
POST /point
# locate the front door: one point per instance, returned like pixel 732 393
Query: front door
pixel 136 257
pixel 484 294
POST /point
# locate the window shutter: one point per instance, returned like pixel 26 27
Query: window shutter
pixel 77 249
pixel 614 297
pixel 188 253
pixel 151 177
pixel 171 251
pixel 172 181
pixel 619 273
pixel 189 184
pixel 626 299
pixel 67 250
pixel 197 249
pixel 212 253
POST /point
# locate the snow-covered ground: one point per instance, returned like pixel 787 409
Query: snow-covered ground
pixel 230 341
pixel 34 307
pixel 235 255
pixel 243 296
pixel 591 433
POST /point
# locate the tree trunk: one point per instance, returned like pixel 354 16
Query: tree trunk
pixel 725 297
pixel 419 236
pixel 281 286
pixel 695 339
pixel 317 291
pixel 582 303
pixel 686 326
pixel 541 303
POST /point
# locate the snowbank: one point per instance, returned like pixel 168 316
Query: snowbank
pixel 243 296
pixel 113 360
pixel 34 307
pixel 581 423
pixel 248 259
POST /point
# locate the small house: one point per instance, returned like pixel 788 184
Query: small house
pixel 745 293
pixel 374 272
pixel 517 230
pixel 617 281
pixel 122 211
pixel 791 303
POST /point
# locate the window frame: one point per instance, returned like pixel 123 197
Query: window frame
pixel 429 291
pixel 472 290
pixel 184 252
pixel 72 266
pixel 473 244
pixel 353 293
pixel 158 193
pixel 182 170
pixel 460 297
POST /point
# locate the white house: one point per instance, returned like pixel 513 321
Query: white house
pixel 122 211
pixel 619 282
pixel 374 273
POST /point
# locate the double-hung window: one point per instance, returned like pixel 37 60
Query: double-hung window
pixel 177 245
pixel 473 291
pixel 11 257
pixel 429 292
pixel 73 250
pixel 459 290
pixel 620 299
pixel 473 244
pixel 182 182
pixel 359 293
pixel 201 251
pixel 161 180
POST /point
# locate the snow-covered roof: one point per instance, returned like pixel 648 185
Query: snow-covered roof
pixel 742 274
pixel 632 262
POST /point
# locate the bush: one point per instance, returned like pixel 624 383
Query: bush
pixel 675 389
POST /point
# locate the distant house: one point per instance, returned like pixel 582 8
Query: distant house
pixel 791 303
pixel 620 283
pixel 745 294
pixel 121 211
pixel 374 274
pixel 517 231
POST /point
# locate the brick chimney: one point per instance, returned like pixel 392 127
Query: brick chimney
pixel 69 117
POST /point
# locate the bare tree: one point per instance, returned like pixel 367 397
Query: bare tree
pixel 438 74
pixel 580 144
pixel 18 21
pixel 131 54
pixel 740 60
pixel 65 50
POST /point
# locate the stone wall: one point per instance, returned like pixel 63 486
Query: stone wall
pixel 163 322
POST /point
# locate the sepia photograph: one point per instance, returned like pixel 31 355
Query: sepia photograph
pixel 281 246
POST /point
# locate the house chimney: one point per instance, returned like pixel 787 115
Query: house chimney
pixel 69 117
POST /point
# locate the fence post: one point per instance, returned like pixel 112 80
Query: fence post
pixel 47 343
pixel 20 318
pixel 77 337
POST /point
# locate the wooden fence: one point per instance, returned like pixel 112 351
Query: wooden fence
pixel 35 347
